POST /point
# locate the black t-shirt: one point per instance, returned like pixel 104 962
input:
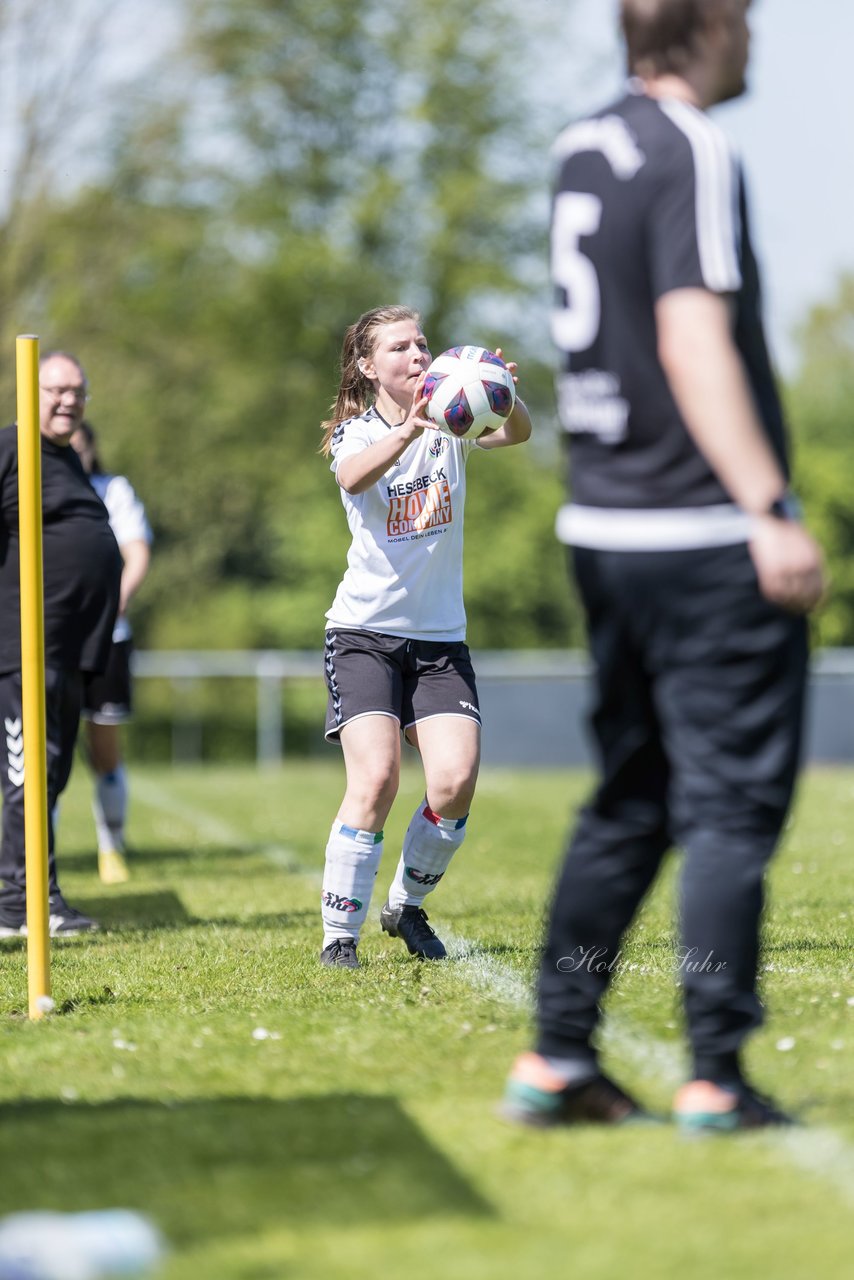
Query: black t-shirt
pixel 82 562
pixel 649 198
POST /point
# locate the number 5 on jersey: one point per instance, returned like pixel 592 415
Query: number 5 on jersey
pixel 576 324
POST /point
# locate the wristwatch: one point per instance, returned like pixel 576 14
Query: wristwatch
pixel 786 507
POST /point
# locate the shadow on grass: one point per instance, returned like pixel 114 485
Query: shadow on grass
pixel 231 1166
pixel 798 945
pixel 194 856
pixel 125 913
pixel 87 860
pixel 130 912
pixel 266 920
pixel 496 950
pixel 124 910
pixel 140 912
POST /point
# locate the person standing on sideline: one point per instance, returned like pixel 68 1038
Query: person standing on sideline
pixel 395 654
pixel 692 565
pixel 107 697
pixel 82 575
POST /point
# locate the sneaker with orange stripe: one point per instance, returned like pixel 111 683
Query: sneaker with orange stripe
pixel 536 1095
pixel 703 1106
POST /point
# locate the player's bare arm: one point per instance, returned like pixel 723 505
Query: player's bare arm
pixel 517 428
pixel 136 557
pixel 364 469
pixel 706 375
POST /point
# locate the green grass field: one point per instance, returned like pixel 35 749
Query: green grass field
pixel 277 1119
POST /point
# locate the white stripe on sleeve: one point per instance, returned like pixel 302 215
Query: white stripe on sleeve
pixel 717 196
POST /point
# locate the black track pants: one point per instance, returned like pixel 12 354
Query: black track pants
pixel 699 692
pixel 62 720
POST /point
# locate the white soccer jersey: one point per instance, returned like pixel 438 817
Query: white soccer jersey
pixel 405 564
pixel 127 521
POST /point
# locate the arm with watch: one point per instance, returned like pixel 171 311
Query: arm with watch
pixel 706 376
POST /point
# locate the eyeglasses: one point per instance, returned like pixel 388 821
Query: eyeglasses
pixel 80 394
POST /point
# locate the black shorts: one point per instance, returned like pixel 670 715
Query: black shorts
pixel 107 697
pixel 368 673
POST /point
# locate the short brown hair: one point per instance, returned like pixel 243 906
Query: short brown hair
pixel 661 35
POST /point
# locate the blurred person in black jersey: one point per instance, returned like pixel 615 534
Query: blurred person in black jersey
pixel 82 576
pixel 692 564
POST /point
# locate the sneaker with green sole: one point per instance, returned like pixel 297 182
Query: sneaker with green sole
pixel 701 1106
pixel 537 1096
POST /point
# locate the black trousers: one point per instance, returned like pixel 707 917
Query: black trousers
pixel 62 707
pixel 698 723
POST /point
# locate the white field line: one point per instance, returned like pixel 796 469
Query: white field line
pixel 483 973
pixel 209 827
pixel 819 1152
pixel 198 820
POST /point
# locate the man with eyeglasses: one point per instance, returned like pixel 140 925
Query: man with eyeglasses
pixel 82 575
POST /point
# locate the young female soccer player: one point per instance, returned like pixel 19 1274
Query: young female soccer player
pixel 396 657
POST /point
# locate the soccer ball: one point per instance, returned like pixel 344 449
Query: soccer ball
pixel 469 390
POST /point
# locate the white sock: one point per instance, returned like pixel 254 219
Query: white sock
pixel 573 1071
pixel 428 846
pixel 109 805
pixel 352 862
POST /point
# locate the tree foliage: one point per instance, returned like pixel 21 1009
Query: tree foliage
pixel 318 160
pixel 293 165
pixel 820 406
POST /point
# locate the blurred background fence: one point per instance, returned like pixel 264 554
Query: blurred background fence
pixel 195 706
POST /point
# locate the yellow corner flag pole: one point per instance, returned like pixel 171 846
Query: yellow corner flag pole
pixel 33 674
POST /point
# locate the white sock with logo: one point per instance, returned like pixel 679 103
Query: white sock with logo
pixel 352 862
pixel 428 846
pixel 109 806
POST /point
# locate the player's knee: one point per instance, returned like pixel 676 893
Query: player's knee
pixel 376 786
pixel 451 792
